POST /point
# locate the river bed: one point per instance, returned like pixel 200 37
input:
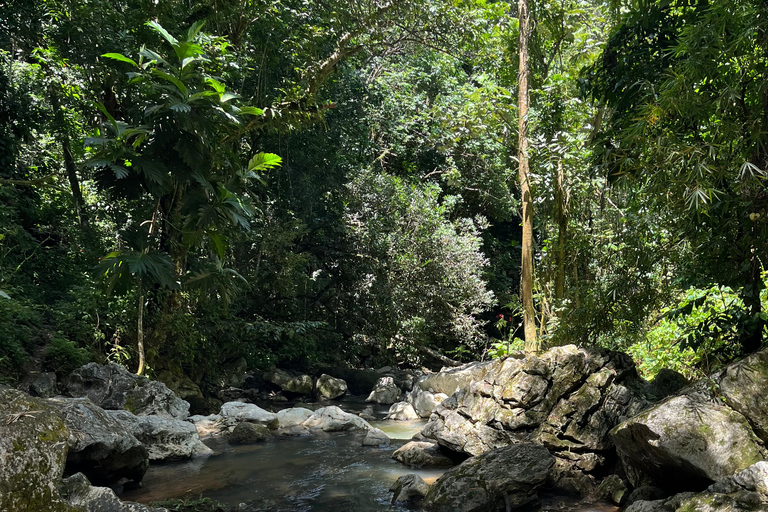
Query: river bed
pixel 322 472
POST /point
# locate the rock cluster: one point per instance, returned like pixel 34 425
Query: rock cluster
pixel 566 399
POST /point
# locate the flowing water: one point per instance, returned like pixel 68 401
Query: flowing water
pixel 320 473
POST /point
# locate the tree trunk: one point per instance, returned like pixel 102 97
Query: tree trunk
pixel 140 332
pixel 529 315
pixel 69 161
pixel 562 224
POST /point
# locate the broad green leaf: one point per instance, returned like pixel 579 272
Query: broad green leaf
pixel 175 81
pixel 194 30
pixel 162 32
pixel 264 161
pixel 4 295
pixel 120 57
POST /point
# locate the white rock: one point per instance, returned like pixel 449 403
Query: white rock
pixel 248 412
pixel 402 411
pixel 293 416
pixel 333 419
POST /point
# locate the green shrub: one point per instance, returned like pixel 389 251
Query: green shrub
pixel 63 356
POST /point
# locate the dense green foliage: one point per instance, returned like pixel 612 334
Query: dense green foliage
pixel 302 183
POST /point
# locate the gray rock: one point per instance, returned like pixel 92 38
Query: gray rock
pixel 328 387
pixel 248 433
pixel 385 392
pixel 367 413
pixel 333 419
pixel 743 386
pixel 752 479
pixel 478 484
pixel 376 437
pixel 688 441
pixel 100 446
pixel 33 452
pixel 646 493
pixel 422 454
pixel 113 387
pixel 402 411
pixel 239 411
pixel 44 385
pixel 164 439
pixel 206 426
pixel 184 387
pixel 424 402
pixel 79 493
pixel 409 489
pixel 293 416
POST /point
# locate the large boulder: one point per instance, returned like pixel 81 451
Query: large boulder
pixel 289 383
pixel 376 437
pixel 328 387
pixel 422 454
pixel 239 411
pixel 100 446
pixel 743 386
pixel 385 392
pixel 33 452
pixel 292 417
pixel 79 493
pixel 110 386
pixel 164 439
pixel 503 479
pixel 44 385
pixel 333 419
pixel 424 402
pixel 402 411
pixel 184 387
pixel 688 442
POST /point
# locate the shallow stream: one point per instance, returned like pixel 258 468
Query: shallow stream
pixel 320 473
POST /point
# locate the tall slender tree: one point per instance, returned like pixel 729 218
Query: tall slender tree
pixel 526 267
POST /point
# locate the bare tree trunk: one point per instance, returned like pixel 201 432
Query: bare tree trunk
pixel 529 315
pixel 140 332
pixel 562 223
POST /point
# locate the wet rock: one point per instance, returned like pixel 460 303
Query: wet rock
pixel 367 414
pixel 688 442
pixel 79 493
pixel 248 433
pixel 44 385
pixel 477 484
pixel 206 426
pixel 239 411
pixel 287 382
pixel 100 446
pixel 333 419
pixel 163 438
pixel 402 411
pixel 667 382
pixel 33 452
pixel 409 489
pixel 385 392
pixel 293 416
pixel 328 387
pixel 422 454
pixel 110 386
pixel 376 437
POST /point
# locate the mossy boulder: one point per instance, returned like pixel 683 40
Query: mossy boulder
pixel 743 386
pixel 33 454
pixel 248 433
pixel 110 386
pixel 688 442
pixel 99 446
pixel 328 387
pixel 503 479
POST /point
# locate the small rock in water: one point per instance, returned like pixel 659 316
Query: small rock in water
pixel 376 437
pixel 248 433
pixel 410 488
pixel 367 414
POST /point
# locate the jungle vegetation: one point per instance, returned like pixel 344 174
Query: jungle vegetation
pixel 185 183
